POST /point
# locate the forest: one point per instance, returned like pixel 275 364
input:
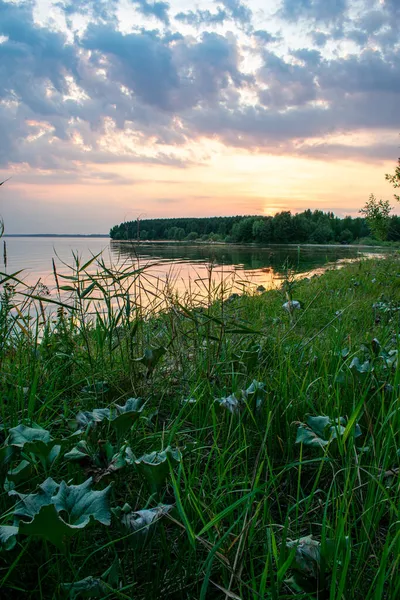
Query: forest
pixel 315 227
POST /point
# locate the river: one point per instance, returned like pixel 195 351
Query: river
pixel 182 265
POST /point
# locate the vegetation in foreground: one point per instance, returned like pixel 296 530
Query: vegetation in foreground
pixel 223 448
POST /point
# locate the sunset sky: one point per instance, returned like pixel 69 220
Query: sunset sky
pixel 110 109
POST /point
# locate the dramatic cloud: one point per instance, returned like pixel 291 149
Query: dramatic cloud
pixel 319 10
pixel 102 89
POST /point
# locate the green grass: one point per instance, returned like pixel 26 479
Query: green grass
pixel 239 488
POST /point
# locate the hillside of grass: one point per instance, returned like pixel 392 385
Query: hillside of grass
pixel 225 447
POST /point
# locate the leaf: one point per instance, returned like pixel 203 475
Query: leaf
pixel 318 424
pixel 8 537
pixel 141 522
pixel 306 436
pixel 97 388
pixel 256 393
pixel 48 524
pixel 307 556
pixel 80 453
pixel 151 357
pixel 321 430
pixel 20 435
pixel 121 417
pixel 21 472
pixel 126 415
pixel 29 505
pixel 90 587
pixel 81 503
pixel 231 403
pixel 361 368
pixel 88 419
pixel 6 455
pixel 94 587
pixel 154 467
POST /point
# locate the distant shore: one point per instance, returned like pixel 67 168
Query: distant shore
pixel 58 235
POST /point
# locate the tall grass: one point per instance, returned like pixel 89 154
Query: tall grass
pixel 241 490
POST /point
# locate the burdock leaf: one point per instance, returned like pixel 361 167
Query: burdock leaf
pixel 81 503
pixel 29 505
pixel 21 472
pixel 307 556
pixel 319 424
pixel 306 436
pixel 8 537
pixel 48 524
pixel 21 435
pixel 231 403
pixel 90 587
pixel 151 357
pixel 97 388
pixel 126 415
pixel 154 467
pixel 79 453
pixel 87 418
pixel 6 455
pixel 142 522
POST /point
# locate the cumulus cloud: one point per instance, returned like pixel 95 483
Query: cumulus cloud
pixel 148 95
pixel 159 10
pixel 199 18
pixel 318 10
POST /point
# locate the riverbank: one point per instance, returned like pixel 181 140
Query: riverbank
pixel 222 466
pixel 372 244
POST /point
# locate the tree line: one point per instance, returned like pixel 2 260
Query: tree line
pixel 316 227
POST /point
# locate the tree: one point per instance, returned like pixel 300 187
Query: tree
pixel 346 237
pixel 377 215
pixel 395 179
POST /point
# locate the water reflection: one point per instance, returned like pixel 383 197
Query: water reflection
pixel 248 266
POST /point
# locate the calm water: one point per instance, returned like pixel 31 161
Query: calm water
pixel 181 265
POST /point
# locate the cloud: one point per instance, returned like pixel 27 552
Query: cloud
pixel 96 9
pixel 149 95
pixel 238 11
pixel 328 11
pixel 199 18
pixel 265 36
pixel 159 10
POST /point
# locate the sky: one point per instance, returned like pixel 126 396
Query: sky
pixel 112 110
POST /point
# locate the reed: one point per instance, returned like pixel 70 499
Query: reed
pixel 198 412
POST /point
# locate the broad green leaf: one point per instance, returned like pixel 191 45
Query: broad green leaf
pixel 361 369
pixel 231 403
pixel 80 503
pixel 7 453
pixel 8 537
pixel 141 522
pixel 319 424
pixel 256 393
pixel 151 357
pixel 90 587
pixel 321 430
pixel 154 467
pixel 80 453
pixel 20 435
pixel 21 472
pixel 29 505
pixel 121 417
pixel 48 524
pixel 97 415
pixel 308 555
pixel 124 416
pixel 94 587
pixel 97 388
pixel 307 436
